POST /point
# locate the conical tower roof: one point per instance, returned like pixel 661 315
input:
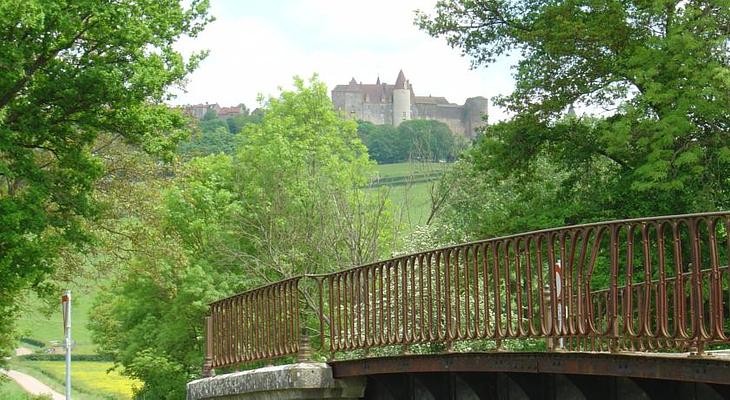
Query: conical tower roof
pixel 400 83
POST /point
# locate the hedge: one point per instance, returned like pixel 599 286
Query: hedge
pixel 33 342
pixel 62 357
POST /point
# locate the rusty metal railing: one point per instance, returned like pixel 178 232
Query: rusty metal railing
pixel 260 324
pixel 650 284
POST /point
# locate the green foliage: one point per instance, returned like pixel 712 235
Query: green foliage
pixel 289 201
pixel 659 69
pixel 217 135
pixel 483 204
pixel 383 142
pixel 210 115
pixel 417 140
pixel 218 140
pixel 429 140
pixel 67 74
pixel 237 123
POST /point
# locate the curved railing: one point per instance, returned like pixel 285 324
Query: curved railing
pixel 649 284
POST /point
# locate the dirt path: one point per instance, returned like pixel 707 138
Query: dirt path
pixel 33 385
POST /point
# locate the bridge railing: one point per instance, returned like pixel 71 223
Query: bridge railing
pixel 259 324
pixel 650 284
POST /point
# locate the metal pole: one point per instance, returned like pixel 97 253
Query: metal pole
pixel 559 305
pixel 67 339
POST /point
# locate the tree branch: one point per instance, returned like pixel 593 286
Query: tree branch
pixel 40 62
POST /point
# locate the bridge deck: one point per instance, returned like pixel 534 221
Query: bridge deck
pixel 714 369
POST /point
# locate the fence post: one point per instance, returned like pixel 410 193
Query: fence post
pixel 208 363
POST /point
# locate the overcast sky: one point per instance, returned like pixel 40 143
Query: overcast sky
pixel 258 46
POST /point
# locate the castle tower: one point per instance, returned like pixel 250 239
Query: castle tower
pixel 475 109
pixel 401 100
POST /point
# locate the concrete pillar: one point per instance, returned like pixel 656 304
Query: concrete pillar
pixel 300 381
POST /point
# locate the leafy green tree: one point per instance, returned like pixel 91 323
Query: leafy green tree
pixel 289 201
pixel 68 72
pixel 217 135
pixel 149 318
pixel 210 115
pixel 212 124
pixel 423 140
pixel 207 142
pixel 302 172
pixel 382 142
pixel 660 69
pixel 237 123
pixel 427 140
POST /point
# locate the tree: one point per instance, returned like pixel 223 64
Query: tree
pixel 149 317
pixel 70 72
pixel 237 123
pixel 209 141
pixel 303 173
pixel 661 72
pixel 424 140
pixel 210 115
pixel 292 199
pixel 428 140
pixel 382 142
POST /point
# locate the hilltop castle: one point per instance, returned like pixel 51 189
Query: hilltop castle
pixel 381 103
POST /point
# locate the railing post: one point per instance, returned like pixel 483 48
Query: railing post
pixel 548 315
pixel 208 363
pixel 304 355
pixel 614 292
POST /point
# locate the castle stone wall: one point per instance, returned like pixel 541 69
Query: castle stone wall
pixel 390 104
pixel 377 113
pixel 451 115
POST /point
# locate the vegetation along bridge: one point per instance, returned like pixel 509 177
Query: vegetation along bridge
pixel 623 309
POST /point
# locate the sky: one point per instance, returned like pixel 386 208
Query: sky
pixel 256 47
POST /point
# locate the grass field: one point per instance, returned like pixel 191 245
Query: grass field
pixel 412 202
pixel 35 323
pixel 89 378
pixel 411 197
pixel 9 390
pixel 405 169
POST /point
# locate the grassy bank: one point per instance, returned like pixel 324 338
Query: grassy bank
pixel 90 379
pixel 9 390
pixel 37 323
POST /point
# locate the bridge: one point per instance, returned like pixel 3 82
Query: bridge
pixel 621 309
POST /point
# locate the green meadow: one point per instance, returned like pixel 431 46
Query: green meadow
pixel 409 187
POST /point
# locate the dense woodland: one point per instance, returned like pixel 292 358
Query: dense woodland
pixel 100 181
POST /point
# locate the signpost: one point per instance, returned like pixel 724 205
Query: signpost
pixel 558 295
pixel 66 308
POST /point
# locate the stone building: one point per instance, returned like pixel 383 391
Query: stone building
pixel 199 110
pixel 381 103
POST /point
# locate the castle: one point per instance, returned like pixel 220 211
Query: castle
pixel 381 103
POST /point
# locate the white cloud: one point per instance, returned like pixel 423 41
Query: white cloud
pixel 257 52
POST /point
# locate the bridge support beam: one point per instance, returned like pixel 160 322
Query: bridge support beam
pixel 295 381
